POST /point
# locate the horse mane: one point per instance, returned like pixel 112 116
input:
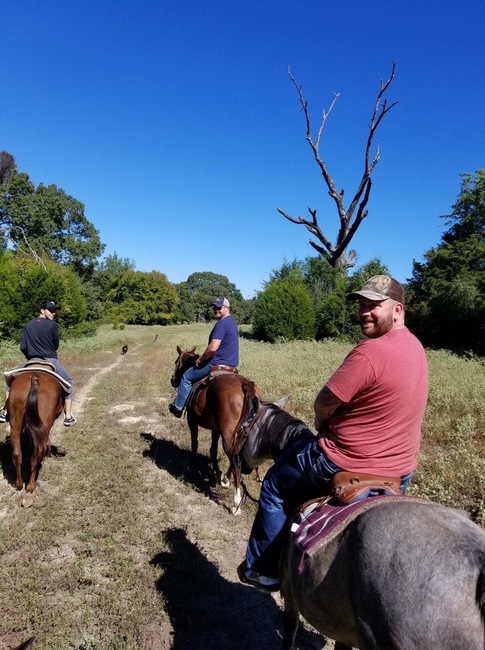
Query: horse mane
pixel 283 428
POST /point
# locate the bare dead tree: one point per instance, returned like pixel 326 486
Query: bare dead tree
pixel 352 216
pixel 7 167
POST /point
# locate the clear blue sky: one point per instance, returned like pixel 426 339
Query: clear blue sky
pixel 177 126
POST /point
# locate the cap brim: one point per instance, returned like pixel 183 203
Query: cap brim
pixel 370 295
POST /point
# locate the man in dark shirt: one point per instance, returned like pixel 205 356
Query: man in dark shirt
pixel 40 340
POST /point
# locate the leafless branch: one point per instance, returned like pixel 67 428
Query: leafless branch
pixel 5 235
pixel 336 254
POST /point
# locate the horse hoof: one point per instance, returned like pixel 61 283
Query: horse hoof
pixel 236 511
pixel 27 500
pixel 225 482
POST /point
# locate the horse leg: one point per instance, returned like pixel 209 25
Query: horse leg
pixel 236 473
pixel 291 622
pixel 34 470
pixel 194 444
pixel 213 456
pixel 17 457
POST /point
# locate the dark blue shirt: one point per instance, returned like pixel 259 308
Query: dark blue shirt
pixel 228 353
pixel 40 339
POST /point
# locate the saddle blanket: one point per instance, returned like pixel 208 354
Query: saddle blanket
pixel 36 366
pixel 326 522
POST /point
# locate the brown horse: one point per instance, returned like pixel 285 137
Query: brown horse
pixel 220 403
pixel 35 401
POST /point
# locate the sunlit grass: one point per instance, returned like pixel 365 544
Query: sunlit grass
pixel 77 570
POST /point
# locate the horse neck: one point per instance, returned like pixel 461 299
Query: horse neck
pixel 277 430
pixel 285 430
pixel 187 362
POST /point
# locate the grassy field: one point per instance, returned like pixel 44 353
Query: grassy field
pixel 121 551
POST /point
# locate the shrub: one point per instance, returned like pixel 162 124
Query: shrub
pixel 284 311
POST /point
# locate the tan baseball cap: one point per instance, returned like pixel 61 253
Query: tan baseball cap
pixel 380 287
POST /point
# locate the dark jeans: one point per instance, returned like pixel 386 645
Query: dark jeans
pixel 301 474
pixel 189 378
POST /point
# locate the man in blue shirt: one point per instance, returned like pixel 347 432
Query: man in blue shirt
pixel 222 350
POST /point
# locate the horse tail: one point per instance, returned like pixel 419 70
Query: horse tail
pixel 33 425
pixel 250 392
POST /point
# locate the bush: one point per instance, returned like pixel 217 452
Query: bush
pixel 284 310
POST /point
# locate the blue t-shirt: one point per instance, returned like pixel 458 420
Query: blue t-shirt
pixel 228 352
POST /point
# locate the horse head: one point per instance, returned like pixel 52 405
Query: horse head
pixel 185 360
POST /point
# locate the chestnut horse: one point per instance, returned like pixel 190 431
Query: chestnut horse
pixel 35 401
pixel 406 574
pixel 220 403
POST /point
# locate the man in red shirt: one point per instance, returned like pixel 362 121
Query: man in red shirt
pixel 368 417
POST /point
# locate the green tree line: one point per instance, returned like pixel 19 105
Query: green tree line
pixel 445 297
pixel 49 249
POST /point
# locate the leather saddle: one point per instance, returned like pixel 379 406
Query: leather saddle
pixel 347 487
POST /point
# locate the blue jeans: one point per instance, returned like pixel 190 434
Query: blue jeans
pixel 302 473
pixel 189 378
pixel 62 372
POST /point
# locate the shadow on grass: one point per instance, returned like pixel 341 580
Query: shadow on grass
pixel 6 460
pixel 176 461
pixel 207 611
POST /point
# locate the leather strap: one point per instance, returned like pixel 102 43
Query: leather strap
pixel 223 368
pixel 354 478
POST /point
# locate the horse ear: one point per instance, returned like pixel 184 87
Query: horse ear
pixel 179 350
pixel 193 349
pixel 281 403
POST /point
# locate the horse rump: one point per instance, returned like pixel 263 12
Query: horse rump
pixel 402 575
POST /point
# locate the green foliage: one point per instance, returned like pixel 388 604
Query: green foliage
pixel 293 269
pixel 104 278
pixel 141 298
pixel 200 289
pixel 373 267
pixel 284 310
pixel 328 287
pixel 25 284
pixel 50 222
pixel 333 311
pixel 447 306
pixel 109 270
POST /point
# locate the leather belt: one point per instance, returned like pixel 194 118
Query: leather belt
pixel 223 368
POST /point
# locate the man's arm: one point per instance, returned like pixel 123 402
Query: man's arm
pixel 23 344
pixel 209 352
pixel 326 403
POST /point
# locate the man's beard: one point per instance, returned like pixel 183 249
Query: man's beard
pixel 374 330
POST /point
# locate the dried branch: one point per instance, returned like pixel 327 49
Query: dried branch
pixel 336 254
pixel 5 235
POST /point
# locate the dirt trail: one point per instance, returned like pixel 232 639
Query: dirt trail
pixel 203 604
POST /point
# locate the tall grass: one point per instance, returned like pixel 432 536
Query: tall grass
pixel 452 461
pixel 117 538
pixel 451 466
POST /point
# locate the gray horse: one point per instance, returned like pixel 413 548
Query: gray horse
pixel 407 574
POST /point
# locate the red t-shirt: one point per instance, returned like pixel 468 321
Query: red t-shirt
pixel 384 384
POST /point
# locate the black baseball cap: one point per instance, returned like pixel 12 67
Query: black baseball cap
pixel 51 306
